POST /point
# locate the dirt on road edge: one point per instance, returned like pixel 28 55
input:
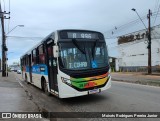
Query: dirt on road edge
pixel 143 82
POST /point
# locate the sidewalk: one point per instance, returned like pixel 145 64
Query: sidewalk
pixel 140 78
pixel 13 97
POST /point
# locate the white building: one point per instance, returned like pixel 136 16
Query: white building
pixel 134 53
pixel 14 67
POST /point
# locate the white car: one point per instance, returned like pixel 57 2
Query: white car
pixel 18 71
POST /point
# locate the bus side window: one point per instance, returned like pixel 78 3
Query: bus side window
pixel 25 60
pixel 28 60
pixel 41 54
pixel 37 56
pixel 34 57
pixel 50 51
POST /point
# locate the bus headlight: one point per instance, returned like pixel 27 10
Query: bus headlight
pixel 67 81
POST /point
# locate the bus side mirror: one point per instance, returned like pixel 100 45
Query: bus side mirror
pixel 55 51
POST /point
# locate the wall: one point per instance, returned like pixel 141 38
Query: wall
pixel 134 54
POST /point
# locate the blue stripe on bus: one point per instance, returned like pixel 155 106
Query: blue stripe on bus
pixel 38 69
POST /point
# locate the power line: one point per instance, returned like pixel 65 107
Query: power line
pixel 114 37
pixel 4 5
pixel 156 5
pixel 9 5
pixel 156 15
pixel 127 25
pixel 124 25
pixel 25 37
pixel 4 10
pixel 9 17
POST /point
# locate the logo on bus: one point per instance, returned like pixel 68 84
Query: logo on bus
pixel 35 69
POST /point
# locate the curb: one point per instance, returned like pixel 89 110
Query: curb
pixel 139 82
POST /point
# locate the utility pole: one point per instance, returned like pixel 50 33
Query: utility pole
pixel 149 38
pixel 4 47
pixel 149 44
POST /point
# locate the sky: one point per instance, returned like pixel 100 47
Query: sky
pixel 41 17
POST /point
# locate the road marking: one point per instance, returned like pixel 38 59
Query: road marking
pixel 20 82
pixel 148 86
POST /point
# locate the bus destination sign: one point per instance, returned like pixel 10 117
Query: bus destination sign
pixel 82 35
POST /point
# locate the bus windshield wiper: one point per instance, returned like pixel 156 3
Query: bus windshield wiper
pixel 93 49
pixel 76 44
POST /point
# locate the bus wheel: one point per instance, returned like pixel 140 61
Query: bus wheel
pixel 45 88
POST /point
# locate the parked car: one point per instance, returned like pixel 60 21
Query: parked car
pixel 18 71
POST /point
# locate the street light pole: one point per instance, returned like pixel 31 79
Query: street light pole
pixel 149 39
pixel 14 28
pixel 133 9
pixel 6 71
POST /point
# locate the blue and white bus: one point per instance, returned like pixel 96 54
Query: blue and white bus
pixel 68 63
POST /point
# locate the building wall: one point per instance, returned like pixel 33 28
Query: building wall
pixel 134 54
pixel 137 54
pixel 14 67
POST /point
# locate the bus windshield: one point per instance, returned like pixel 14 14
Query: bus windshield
pixel 80 55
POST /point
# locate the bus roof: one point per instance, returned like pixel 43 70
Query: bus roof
pixel 51 35
pixel 29 51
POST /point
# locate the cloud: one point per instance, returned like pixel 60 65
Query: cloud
pixel 43 17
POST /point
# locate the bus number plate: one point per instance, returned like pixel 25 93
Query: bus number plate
pixel 93 91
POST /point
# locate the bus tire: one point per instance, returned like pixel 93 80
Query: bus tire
pixel 45 88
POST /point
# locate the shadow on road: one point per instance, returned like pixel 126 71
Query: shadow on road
pixel 85 99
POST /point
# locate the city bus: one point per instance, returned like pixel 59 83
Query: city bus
pixel 68 63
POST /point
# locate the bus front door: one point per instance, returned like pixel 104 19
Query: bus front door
pixel 52 70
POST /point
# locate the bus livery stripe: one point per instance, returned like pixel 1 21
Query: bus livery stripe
pixel 89 82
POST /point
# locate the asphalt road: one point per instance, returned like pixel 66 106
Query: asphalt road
pixel 121 97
